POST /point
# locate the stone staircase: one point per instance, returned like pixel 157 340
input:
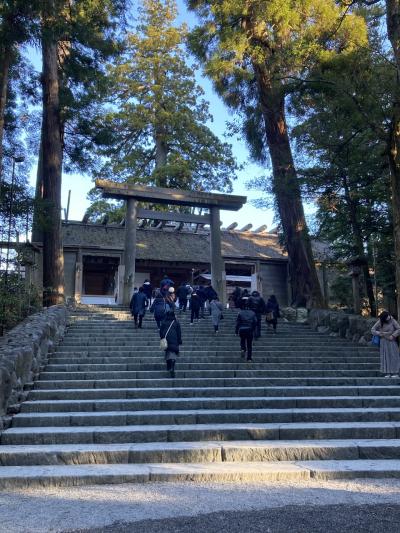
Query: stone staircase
pixel 106 411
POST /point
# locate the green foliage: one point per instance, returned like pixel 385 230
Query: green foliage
pixel 341 115
pixel 155 130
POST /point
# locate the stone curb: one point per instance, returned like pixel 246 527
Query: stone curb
pixel 23 352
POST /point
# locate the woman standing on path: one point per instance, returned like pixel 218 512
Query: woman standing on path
pixel 171 330
pixel 216 309
pixel 388 329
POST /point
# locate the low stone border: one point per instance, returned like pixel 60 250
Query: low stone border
pixel 339 324
pixel 23 351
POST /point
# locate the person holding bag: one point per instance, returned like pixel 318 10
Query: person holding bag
pixel 388 329
pixel 272 312
pixel 171 339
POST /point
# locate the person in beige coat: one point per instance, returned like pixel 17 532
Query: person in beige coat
pixel 388 329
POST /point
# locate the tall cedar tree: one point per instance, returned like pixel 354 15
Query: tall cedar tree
pixel 393 30
pixel 255 52
pixel 341 159
pixel 52 154
pixel 70 30
pixel 157 117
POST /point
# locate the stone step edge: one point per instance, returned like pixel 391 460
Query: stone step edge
pixel 200 411
pixel 175 389
pixel 210 451
pixel 184 428
pixel 204 399
pixel 20 476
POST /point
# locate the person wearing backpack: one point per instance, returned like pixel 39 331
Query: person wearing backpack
pixel 170 330
pixel 257 304
pixel 159 308
pixel 388 330
pixel 246 323
pixel 272 312
pixel 182 294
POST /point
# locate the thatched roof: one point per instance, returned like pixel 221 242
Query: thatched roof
pixel 167 245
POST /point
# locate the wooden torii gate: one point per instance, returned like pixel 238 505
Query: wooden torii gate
pixel 157 195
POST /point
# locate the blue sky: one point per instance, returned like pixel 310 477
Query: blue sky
pixel 80 185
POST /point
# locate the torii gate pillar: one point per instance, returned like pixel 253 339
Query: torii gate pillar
pixel 130 249
pixel 218 276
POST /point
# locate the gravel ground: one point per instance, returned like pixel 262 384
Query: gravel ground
pixel 205 507
pixel 293 519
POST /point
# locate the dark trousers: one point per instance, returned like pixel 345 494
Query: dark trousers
pixel 183 304
pixel 274 323
pixel 170 364
pixel 158 320
pixel 138 319
pixel 246 341
pixel 194 314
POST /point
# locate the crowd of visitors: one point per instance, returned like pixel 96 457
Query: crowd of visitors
pixel 164 302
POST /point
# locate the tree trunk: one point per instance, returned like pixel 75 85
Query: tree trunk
pixel 37 222
pixel 5 60
pixel 53 264
pixel 359 245
pixel 305 284
pixel 393 29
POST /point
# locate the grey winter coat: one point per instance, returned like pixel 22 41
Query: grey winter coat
pixel 216 312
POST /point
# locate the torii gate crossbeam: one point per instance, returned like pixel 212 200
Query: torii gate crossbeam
pixel 158 195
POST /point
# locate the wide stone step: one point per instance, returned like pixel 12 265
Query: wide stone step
pixel 213 382
pixel 200 432
pixel 200 360
pixel 206 416
pixel 199 452
pixel 245 373
pixel 234 350
pixel 184 365
pixel 217 392
pixel 62 476
pixel 245 402
pixel 219 340
pixel 83 357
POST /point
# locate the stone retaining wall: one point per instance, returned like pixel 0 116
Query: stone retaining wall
pixel 340 324
pixel 23 351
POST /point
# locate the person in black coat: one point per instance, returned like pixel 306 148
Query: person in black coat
pixel 257 304
pixel 182 294
pixel 236 296
pixel 171 330
pixel 272 312
pixel 195 305
pixel 246 323
pixel 159 308
pixel 138 307
pixel 148 289
pixel 202 294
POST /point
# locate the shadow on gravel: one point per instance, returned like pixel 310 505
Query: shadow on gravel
pixel 290 519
